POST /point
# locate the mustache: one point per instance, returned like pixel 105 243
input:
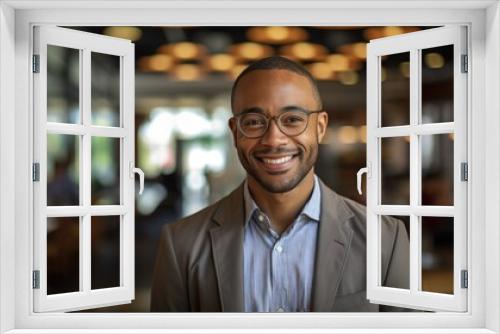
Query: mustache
pixel 277 150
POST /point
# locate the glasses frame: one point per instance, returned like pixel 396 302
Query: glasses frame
pixel 277 121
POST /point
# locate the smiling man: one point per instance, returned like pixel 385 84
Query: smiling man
pixel 282 241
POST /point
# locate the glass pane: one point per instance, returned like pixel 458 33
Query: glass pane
pixel 105 89
pixel 63 255
pixel 395 170
pixel 63 170
pixel 437 84
pixel 395 90
pixel 105 171
pixel 105 256
pixel 437 254
pixel 437 169
pixel 387 247
pixel 63 77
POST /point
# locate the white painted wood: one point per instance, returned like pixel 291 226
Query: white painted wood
pixel 85 297
pixel 483 196
pixel 414 43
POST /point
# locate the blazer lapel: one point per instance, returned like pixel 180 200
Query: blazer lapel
pixel 334 238
pixel 227 250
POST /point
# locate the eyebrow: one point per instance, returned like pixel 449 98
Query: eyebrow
pixel 261 111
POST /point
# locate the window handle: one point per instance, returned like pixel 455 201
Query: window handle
pixel 134 170
pixel 360 174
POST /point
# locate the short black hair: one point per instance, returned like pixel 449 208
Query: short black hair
pixel 278 63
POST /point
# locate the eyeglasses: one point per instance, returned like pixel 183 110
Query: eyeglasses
pixel 291 123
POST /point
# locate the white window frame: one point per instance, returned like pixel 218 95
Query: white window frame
pixel 16 215
pixel 413 43
pixel 84 130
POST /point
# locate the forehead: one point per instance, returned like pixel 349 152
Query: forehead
pixel 272 89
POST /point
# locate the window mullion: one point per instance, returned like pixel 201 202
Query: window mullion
pixel 415 231
pixel 85 240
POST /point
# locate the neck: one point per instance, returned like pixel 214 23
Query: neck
pixel 282 208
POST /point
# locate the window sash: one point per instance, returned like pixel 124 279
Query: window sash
pixel 86 43
pixel 412 43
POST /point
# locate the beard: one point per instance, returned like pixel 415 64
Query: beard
pixel 281 185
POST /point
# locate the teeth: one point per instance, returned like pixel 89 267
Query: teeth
pixel 277 161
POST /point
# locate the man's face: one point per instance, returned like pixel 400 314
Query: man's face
pixel 277 162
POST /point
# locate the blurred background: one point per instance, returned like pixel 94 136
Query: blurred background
pixel 183 80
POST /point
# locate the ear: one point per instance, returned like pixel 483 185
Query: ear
pixel 322 125
pixel 234 129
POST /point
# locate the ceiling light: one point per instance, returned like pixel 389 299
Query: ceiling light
pixel 251 51
pixel 357 50
pixel 221 62
pixel 130 33
pixel 187 72
pixel 183 50
pixel 277 34
pixel 305 51
pixel 156 63
pixel 434 60
pixel 348 78
pixel 321 71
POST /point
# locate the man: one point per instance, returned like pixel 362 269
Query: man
pixel 282 241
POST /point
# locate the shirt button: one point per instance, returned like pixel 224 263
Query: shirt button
pixel 260 218
pixel 279 249
pixel 280 310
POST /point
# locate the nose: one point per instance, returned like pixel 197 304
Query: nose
pixel 273 136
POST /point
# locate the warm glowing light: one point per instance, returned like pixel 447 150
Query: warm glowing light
pixel 156 63
pixel 183 50
pixel 251 51
pixel 348 134
pixel 277 35
pixel 362 133
pixel 321 71
pixel 338 62
pixel 221 62
pixel 383 74
pixel 392 31
pixel 434 60
pixel 187 72
pixel 404 67
pixel 130 33
pixel 305 51
pixel 379 32
pixel 348 78
pixel 451 136
pixel 357 50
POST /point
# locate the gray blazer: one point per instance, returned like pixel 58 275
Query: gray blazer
pixel 199 264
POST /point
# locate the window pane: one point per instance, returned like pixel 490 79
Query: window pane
pixel 105 89
pixel 437 84
pixel 63 158
pixel 105 171
pixel 395 170
pixel 387 247
pixel 395 91
pixel 437 169
pixel 63 255
pixel 437 254
pixel 105 256
pixel 63 92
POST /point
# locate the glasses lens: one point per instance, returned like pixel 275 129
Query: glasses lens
pixel 293 122
pixel 253 125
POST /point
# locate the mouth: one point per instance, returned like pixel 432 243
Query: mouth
pixel 277 164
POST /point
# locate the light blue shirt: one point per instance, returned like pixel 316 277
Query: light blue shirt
pixel 278 269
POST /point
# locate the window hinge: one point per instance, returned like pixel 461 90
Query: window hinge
pixel 465 279
pixel 36 63
pixel 464 171
pixel 36 279
pixel 36 172
pixel 465 66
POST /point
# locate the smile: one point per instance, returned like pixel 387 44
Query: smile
pixel 277 161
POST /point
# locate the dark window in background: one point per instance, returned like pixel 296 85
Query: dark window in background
pixel 183 80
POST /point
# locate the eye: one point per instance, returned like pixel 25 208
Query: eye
pixel 253 121
pixel 293 119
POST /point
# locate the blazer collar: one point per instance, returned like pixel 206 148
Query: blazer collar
pixel 332 247
pixel 227 249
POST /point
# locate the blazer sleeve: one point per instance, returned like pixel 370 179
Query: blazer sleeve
pixel 168 293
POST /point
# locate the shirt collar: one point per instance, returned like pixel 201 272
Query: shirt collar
pixel 312 208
